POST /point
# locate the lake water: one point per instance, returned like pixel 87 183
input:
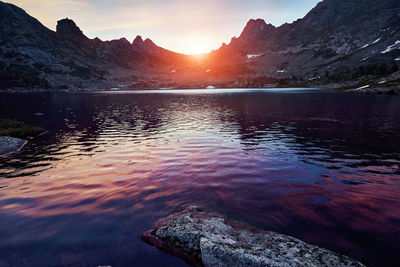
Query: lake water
pixel 319 165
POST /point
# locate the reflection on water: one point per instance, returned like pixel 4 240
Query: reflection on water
pixel 321 166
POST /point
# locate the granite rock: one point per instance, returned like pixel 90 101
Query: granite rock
pixel 206 239
pixel 10 144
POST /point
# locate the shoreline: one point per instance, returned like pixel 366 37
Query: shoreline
pixel 14 135
pixel 393 90
pixel 375 91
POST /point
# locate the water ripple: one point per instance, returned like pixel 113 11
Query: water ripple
pixel 112 163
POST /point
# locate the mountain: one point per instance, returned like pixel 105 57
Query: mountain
pixel 338 39
pixel 339 43
pixel 32 56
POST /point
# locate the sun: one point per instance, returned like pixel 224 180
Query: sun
pixel 196 44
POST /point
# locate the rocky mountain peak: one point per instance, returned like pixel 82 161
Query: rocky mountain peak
pixel 14 22
pixel 255 27
pixel 67 28
pixel 149 43
pixel 138 41
pixel 121 43
pixel 146 45
pixel 256 23
pixel 123 40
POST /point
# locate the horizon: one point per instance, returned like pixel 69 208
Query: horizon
pixel 197 28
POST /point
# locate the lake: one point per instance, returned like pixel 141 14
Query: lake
pixel 319 165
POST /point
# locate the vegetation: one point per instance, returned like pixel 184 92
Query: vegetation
pixel 17 129
pixel 17 75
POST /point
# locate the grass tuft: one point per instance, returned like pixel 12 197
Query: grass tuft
pixel 18 129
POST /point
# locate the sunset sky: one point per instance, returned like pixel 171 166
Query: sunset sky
pixel 186 26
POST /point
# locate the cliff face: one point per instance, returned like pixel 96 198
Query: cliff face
pixel 67 29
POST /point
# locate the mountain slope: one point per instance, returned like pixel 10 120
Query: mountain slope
pixel 336 38
pixel 33 56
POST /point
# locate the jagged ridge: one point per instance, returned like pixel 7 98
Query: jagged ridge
pixel 34 56
pixel 340 42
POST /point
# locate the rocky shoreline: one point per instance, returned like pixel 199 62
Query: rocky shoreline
pixel 9 145
pixel 391 90
pixel 207 239
pixel 376 91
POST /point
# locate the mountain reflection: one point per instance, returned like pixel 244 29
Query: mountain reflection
pixel 320 166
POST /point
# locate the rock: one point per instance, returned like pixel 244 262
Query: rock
pixel 10 145
pixel 66 28
pixel 388 91
pixel 138 42
pixel 206 239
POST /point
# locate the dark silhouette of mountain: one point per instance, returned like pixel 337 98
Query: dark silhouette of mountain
pixel 67 29
pixel 338 43
pixel 31 55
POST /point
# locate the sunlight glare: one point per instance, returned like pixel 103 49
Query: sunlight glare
pixel 197 44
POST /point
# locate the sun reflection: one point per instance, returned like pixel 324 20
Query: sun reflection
pixel 134 156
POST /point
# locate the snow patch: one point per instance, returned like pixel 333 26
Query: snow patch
pixel 281 71
pixel 374 42
pixel 363 87
pixel 397 59
pixel 314 78
pixel 173 71
pixel 377 40
pixel 364 59
pixel 392 47
pixel 208 70
pixel 253 56
pixel 210 87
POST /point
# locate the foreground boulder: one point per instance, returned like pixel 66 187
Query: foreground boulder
pixel 205 239
pixel 10 144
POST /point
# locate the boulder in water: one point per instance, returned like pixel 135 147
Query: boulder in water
pixel 10 144
pixel 206 239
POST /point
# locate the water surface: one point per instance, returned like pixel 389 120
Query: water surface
pixel 315 164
